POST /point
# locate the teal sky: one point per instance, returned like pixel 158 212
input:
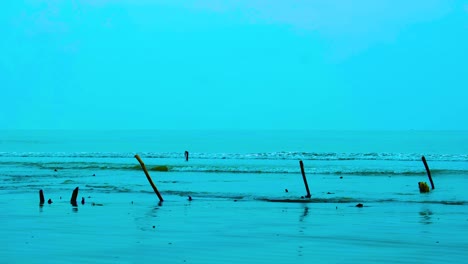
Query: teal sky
pixel 351 65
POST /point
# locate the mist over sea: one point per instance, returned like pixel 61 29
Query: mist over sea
pixel 235 141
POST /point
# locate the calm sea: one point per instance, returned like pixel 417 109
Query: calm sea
pixel 423 142
pixel 246 188
pixel 242 159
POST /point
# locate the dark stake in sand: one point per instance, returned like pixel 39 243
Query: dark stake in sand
pixel 428 171
pixel 82 200
pixel 41 197
pixel 149 178
pixel 305 179
pixel 74 196
pixel 186 155
pixel 49 201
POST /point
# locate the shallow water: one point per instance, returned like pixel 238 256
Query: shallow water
pixel 232 218
pixel 208 230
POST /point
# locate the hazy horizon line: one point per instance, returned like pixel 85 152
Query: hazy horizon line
pixel 232 129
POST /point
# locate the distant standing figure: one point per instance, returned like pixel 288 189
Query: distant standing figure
pixel 186 155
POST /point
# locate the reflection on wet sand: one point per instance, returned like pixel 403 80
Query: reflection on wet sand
pixel 300 247
pixel 306 212
pixel 426 216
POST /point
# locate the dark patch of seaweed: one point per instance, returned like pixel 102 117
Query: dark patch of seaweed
pixel 200 194
pixel 310 200
pixel 109 188
pixel 353 200
pixel 443 202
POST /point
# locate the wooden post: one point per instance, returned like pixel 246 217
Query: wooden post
pixel 73 197
pixel 428 172
pixel 41 197
pixel 186 155
pixel 149 177
pixel 304 178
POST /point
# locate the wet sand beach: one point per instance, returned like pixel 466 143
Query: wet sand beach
pixel 130 227
pixel 239 212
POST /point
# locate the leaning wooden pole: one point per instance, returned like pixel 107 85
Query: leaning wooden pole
pixel 304 178
pixel 149 177
pixel 428 171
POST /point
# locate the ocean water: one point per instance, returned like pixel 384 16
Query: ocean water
pixel 376 166
pixel 249 173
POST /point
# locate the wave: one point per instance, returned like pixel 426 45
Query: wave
pixel 234 169
pixel 245 156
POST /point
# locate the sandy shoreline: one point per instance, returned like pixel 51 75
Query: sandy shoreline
pixel 228 231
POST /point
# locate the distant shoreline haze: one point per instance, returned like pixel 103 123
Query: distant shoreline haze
pixel 234 141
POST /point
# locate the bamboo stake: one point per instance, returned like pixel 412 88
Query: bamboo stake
pixel 41 197
pixel 149 177
pixel 304 178
pixel 74 195
pixel 428 171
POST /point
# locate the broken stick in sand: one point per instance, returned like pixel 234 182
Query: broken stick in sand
pixel 73 197
pixel 149 177
pixel 41 197
pixel 305 179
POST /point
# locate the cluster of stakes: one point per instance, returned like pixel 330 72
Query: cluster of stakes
pixel 423 187
pixel 72 199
